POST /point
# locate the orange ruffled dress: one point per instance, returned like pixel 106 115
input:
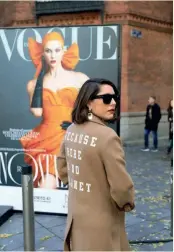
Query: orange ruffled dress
pixel 57 107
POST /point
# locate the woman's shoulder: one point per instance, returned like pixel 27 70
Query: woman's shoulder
pixel 112 139
pixel 79 78
pixel 110 132
pixel 104 130
pixel 107 138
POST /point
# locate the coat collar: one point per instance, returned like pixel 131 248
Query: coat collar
pixel 98 120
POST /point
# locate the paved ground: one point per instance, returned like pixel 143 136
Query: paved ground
pixel 150 220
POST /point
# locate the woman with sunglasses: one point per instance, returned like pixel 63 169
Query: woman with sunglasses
pixel 92 163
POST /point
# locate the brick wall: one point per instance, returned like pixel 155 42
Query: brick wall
pixel 149 68
pixel 7 13
pixel 124 69
pixel 161 10
pixel 113 7
pixel 24 11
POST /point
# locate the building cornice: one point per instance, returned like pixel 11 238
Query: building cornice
pixel 63 20
pixel 139 21
pixel 95 19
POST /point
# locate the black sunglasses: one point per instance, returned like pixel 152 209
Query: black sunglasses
pixel 107 98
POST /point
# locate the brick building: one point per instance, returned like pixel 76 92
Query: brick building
pixel 146 64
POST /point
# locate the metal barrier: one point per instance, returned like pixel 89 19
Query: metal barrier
pixel 28 208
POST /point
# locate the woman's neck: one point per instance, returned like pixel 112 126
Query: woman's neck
pixel 56 71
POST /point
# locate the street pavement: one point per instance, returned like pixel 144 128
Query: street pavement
pixel 151 220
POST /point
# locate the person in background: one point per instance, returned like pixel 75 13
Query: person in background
pixel 153 116
pixel 170 120
pixel 92 163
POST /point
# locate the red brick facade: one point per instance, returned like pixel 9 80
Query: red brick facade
pixel 146 62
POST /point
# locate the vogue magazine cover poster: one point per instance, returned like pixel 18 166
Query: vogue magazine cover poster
pixel 42 70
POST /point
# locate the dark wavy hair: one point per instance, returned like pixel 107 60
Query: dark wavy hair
pixel 89 90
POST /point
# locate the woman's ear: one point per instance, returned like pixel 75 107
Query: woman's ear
pixel 89 106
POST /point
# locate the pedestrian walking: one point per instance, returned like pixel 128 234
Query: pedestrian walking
pixel 92 162
pixel 153 116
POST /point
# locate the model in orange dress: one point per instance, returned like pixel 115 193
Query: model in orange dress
pixel 52 93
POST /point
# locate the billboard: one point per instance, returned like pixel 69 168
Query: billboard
pixel 53 62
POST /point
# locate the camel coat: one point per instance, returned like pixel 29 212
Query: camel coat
pixel 91 161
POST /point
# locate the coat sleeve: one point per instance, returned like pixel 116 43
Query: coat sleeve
pixel 62 165
pixel 146 115
pixel 159 114
pixel 170 116
pixel 121 184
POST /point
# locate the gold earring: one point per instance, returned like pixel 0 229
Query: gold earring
pixel 90 115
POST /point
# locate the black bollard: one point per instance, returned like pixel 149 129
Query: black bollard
pixel 28 208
